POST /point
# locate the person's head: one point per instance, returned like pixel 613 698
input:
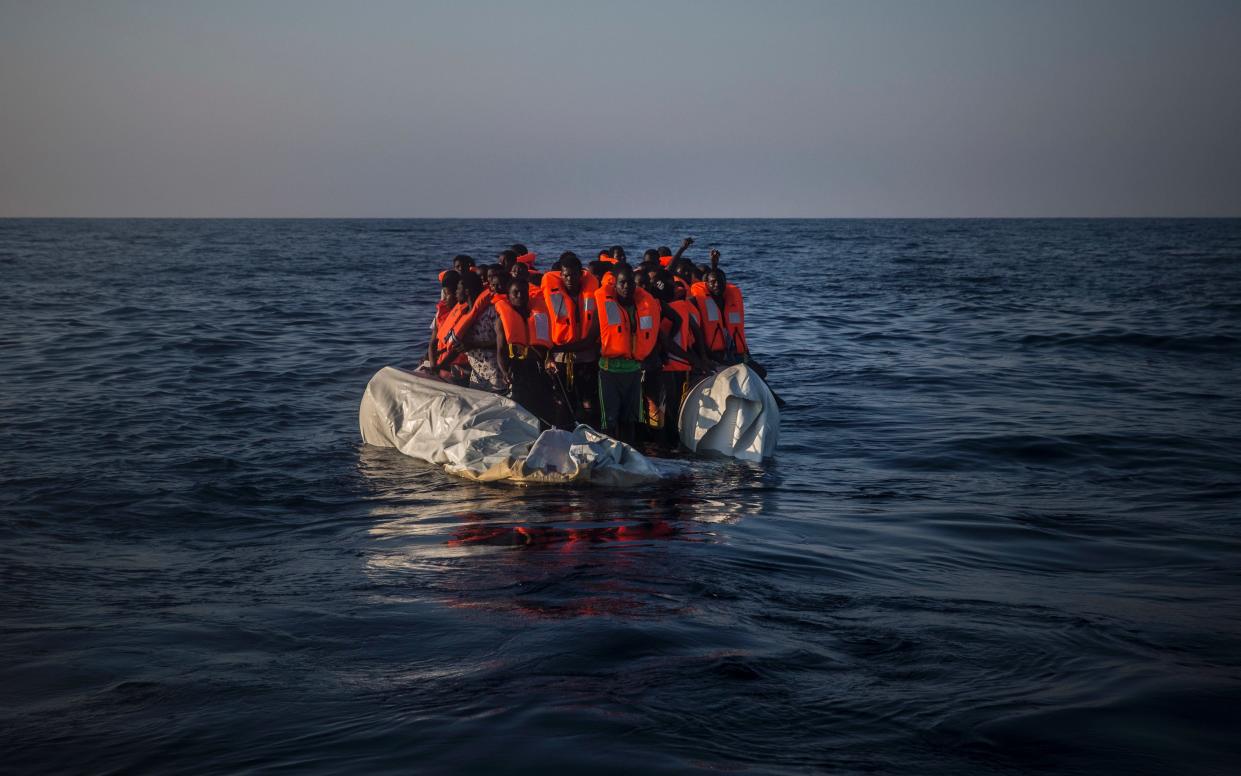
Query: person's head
pixel 507 259
pixel 518 294
pixel 716 282
pixel 684 269
pixel 650 254
pixel 662 286
pixel 462 263
pixel 497 279
pixel 518 249
pixel 520 272
pixel 624 283
pixel 571 272
pixel 617 252
pixel 469 288
pixel 664 250
pixel 598 269
pixel 448 286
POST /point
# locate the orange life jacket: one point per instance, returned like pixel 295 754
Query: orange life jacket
pixel 527 258
pixel 570 320
pixel 454 329
pixel 606 258
pixel 722 328
pixel 442 309
pixel 665 261
pixel 618 338
pixel 525 333
pixel 683 336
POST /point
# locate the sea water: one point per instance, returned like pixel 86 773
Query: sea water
pixel 1001 531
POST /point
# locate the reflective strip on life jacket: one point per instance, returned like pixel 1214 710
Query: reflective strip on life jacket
pixel 542 327
pixel 723 332
pixel 612 311
pixel 618 338
pixel 524 332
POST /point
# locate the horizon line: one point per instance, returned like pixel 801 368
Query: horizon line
pixel 626 218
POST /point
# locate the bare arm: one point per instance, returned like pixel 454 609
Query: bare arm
pixel 502 352
pixel 688 241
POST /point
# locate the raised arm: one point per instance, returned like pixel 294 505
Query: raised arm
pixel 688 241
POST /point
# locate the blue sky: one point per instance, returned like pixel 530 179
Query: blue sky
pixel 581 109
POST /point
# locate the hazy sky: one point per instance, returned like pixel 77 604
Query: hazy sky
pixel 668 108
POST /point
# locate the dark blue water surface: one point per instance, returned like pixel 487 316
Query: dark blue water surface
pixel 1001 531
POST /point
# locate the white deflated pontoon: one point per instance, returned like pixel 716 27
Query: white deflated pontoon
pixel 485 437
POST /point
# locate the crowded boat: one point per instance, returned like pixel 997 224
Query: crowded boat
pixel 606 344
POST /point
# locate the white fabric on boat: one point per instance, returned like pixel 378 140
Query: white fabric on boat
pixel 486 437
pixel 733 413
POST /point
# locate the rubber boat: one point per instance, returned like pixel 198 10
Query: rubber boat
pixel 486 437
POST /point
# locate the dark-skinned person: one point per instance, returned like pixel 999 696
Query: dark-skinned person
pixel 523 338
pixel 456 334
pixel 525 256
pixel 448 294
pixel 570 297
pixel 506 259
pixel 448 300
pixel 496 278
pixel 627 329
pixel 521 274
pixel 683 275
pixel 722 313
pixel 681 346
pixel 667 258
pixel 460 264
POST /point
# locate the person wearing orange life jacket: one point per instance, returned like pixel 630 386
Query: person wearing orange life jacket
pixel 627 329
pixel 615 259
pixel 527 257
pixel 456 344
pixel 598 269
pixel 681 343
pixel 683 275
pixel 521 274
pixel 448 287
pixel 461 264
pixel 447 301
pixel 722 312
pixel 667 258
pixel 570 297
pixel 523 338
pixel 448 294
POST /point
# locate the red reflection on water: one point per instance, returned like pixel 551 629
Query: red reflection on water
pixel 548 535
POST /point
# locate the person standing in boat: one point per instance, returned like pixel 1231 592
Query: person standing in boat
pixel 722 314
pixel 438 363
pixel 680 344
pixel 570 297
pixel 473 333
pixel 627 330
pixel 523 339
